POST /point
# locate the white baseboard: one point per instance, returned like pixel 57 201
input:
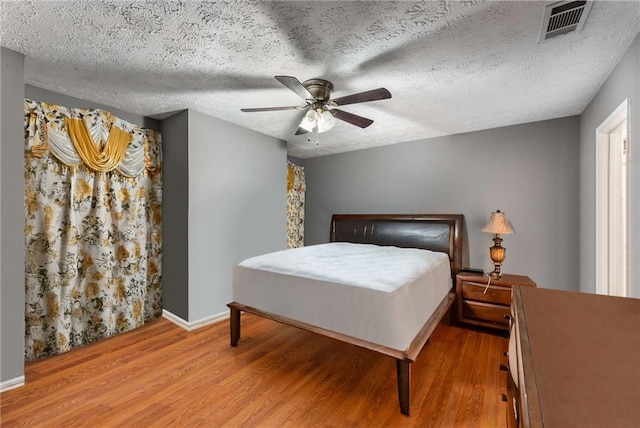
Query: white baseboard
pixel 16 382
pixel 189 326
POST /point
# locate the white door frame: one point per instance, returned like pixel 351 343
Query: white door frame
pixel 608 281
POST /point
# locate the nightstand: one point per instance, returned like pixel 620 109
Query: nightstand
pixel 486 306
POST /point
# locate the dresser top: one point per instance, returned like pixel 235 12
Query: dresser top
pixel 585 351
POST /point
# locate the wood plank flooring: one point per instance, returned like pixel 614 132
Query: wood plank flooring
pixel 163 376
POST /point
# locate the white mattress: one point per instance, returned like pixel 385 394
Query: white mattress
pixel 383 295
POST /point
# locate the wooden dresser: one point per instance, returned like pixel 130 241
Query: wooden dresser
pixel 574 360
pixel 485 302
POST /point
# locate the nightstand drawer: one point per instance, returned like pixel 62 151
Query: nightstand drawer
pixel 486 312
pixel 494 294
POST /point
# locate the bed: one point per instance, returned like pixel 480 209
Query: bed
pixel 372 286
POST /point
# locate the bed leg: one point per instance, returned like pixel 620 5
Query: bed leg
pixel 404 381
pixel 235 326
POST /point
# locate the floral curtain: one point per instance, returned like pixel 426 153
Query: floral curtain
pixel 93 240
pixel 295 205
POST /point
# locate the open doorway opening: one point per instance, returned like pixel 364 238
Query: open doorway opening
pixel 612 146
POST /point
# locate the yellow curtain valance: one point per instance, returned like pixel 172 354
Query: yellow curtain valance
pixel 103 157
pixel 291 176
pixel 92 139
pixel 295 177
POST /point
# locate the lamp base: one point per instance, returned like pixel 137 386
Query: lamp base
pixel 497 253
pixel 496 273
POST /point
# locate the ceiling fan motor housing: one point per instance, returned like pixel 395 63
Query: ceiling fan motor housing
pixel 319 88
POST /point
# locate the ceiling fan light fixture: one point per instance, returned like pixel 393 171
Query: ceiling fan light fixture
pixel 309 120
pixel 326 121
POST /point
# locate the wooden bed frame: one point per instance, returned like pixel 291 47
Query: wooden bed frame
pixel 441 233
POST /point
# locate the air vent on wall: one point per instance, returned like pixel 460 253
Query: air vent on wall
pixel 564 17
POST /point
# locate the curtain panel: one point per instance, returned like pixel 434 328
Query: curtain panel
pixel 93 217
pixel 296 188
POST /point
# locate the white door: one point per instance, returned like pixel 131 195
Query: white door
pixel 611 200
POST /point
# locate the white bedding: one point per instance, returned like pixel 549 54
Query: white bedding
pixel 383 295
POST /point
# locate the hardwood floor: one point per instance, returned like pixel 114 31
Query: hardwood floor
pixel 160 375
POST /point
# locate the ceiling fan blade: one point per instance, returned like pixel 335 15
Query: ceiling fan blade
pixel 297 87
pixel 353 119
pixel 362 97
pixel 299 121
pixel 251 110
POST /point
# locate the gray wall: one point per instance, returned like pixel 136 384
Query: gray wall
pixel 11 215
pixel 39 94
pixel 529 171
pixel 237 206
pixel 622 83
pixel 175 214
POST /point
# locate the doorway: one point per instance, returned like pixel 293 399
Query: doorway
pixel 612 247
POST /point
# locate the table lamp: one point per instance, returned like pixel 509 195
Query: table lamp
pixel 498 224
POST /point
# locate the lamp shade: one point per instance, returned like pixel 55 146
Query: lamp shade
pixel 309 120
pixel 498 223
pixel 325 121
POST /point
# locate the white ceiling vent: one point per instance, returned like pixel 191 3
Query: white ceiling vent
pixel 563 17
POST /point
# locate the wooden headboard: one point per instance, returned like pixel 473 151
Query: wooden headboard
pixel 433 232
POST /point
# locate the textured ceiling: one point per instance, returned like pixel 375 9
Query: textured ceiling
pixel 451 66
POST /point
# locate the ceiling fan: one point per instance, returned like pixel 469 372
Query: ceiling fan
pixel 317 94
